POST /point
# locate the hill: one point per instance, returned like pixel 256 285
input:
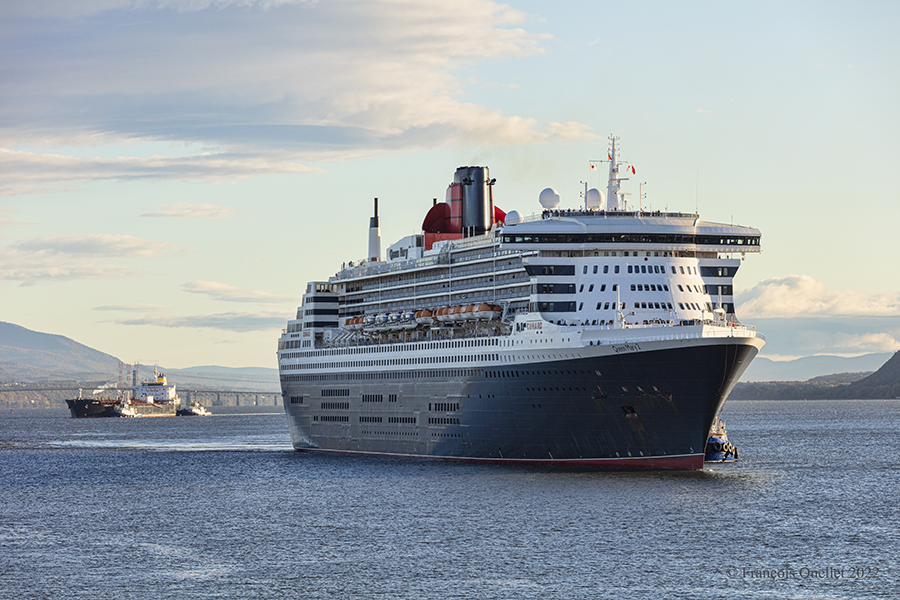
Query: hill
pixel 30 355
pixel 808 367
pixel 882 384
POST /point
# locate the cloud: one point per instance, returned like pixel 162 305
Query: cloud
pixel 801 295
pixel 37 172
pixel 570 130
pixel 70 257
pixel 92 245
pixel 792 337
pixel 5 221
pixel 863 343
pixel 132 307
pixel 193 211
pixel 229 293
pixel 260 86
pixel 231 321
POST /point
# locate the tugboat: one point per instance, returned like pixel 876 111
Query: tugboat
pixel 195 409
pixel 718 448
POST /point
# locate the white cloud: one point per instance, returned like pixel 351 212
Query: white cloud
pixel 92 245
pixel 855 344
pixel 192 211
pixel 37 171
pixel 230 321
pixel 803 296
pixel 230 293
pixel 264 86
pixel 66 258
pixel 132 307
pixel 6 222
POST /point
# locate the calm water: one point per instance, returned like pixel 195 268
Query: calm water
pixel 220 507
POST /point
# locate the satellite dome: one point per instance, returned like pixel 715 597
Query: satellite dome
pixel 594 198
pixel 549 198
pixel 513 217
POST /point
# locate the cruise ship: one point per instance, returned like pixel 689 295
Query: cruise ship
pixel 598 336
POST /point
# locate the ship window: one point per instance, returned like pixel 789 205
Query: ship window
pixel 585 269
pixel 595 269
pixel 641 287
pixel 630 268
pixel 643 268
pixel 617 269
pixel 682 270
pixel 637 304
pixel 591 289
pixel 670 305
pixel 598 305
pixel 580 305
pixel 681 289
pixel 652 288
pixel 605 269
pixel 673 271
pixel 581 289
pixel 615 287
pixel 603 287
pixel 606 306
pixel 656 305
pixel 666 287
pixel 633 287
pixel 656 268
pixel 644 305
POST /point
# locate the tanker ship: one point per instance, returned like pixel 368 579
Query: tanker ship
pixel 154 398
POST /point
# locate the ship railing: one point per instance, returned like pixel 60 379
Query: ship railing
pixel 708 331
pixel 581 212
pixel 434 335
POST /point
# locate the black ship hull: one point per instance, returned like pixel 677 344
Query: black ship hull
pixel 634 409
pixel 81 408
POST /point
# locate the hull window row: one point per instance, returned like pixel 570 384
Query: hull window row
pixel 332 393
pixel 335 406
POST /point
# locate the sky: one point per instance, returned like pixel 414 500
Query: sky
pixel 173 172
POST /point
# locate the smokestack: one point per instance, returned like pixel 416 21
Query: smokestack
pixel 375 235
pixel 477 199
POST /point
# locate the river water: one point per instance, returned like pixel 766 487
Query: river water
pixel 221 507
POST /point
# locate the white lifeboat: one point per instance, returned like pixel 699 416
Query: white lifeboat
pixel 394 321
pixel 484 312
pixel 368 322
pixel 408 320
pixel 443 314
pixel 424 317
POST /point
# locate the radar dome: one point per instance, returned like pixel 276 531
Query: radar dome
pixel 513 217
pixel 549 198
pixel 594 198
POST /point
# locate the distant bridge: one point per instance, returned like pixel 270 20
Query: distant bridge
pixel 205 397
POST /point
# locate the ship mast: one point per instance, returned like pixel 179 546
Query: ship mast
pixel 614 195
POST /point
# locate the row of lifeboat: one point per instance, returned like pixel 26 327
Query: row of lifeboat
pixel 408 319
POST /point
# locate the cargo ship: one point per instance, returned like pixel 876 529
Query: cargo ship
pixel 154 398
pixel 597 336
